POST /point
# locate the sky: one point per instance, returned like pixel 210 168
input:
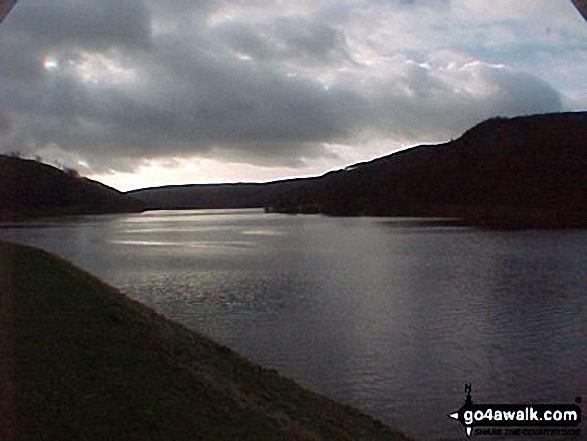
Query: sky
pixel 141 93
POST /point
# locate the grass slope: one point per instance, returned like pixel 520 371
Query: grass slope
pixel 90 363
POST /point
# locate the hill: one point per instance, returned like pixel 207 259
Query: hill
pixel 528 170
pixel 31 188
pixel 79 360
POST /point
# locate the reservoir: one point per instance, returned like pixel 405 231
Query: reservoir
pixel 392 316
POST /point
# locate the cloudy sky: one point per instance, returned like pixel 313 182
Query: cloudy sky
pixel 142 93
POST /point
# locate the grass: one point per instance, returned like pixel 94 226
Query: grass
pixel 90 363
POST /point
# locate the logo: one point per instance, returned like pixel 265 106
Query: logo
pixel 518 419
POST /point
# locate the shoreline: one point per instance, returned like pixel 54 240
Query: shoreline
pixel 91 363
pixel 8 423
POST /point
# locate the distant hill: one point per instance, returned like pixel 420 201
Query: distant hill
pixel 527 170
pixel 30 188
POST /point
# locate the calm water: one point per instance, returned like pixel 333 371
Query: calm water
pixel 390 316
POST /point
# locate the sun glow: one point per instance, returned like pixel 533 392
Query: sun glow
pixel 50 64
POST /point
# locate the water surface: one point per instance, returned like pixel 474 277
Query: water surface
pixel 392 316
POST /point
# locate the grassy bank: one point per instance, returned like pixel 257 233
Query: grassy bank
pixel 90 363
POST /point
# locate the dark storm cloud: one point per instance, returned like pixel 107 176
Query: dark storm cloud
pixel 521 93
pixel 224 98
pixel 177 9
pixel 60 28
pixel 289 38
pixel 429 107
pixel 91 24
pixel 20 59
pixel 5 121
pixel 425 3
pixel 311 40
pixel 116 81
pixel 189 101
pixel 244 38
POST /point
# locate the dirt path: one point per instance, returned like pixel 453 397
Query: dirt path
pixel 8 427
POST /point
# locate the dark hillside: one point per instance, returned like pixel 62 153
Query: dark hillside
pixel 503 167
pixel 30 188
pixel 529 169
